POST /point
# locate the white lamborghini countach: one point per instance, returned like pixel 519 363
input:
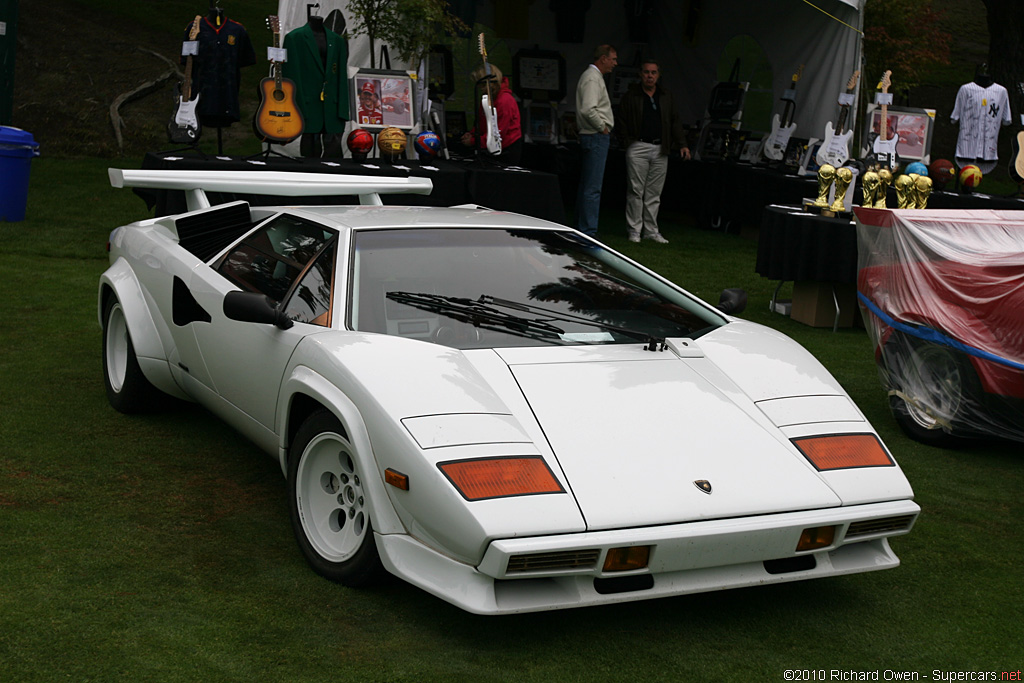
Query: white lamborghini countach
pixel 497 409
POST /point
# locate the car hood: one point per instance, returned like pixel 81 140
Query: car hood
pixel 635 431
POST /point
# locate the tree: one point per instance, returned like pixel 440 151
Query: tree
pixel 1006 48
pixel 903 36
pixel 409 27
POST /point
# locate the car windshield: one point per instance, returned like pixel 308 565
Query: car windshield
pixel 484 288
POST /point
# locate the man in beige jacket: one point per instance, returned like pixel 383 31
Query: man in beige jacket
pixel 594 120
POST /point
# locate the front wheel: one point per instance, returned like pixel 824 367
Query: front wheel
pixel 329 505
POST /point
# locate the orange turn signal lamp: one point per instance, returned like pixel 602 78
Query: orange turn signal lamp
pixel 843 451
pixel 396 479
pixel 816 537
pixel 483 478
pixel 627 559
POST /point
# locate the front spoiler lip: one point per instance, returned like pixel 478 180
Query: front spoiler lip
pixel 690 558
pixel 698 545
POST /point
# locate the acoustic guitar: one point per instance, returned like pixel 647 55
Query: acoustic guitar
pixel 493 135
pixel 278 118
pixel 1016 167
pixel 884 147
pixel 184 128
pixel 835 147
pixel 783 129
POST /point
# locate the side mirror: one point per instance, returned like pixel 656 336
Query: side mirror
pixel 733 301
pixel 251 307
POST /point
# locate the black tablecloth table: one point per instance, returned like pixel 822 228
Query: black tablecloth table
pixel 818 254
pixel 533 193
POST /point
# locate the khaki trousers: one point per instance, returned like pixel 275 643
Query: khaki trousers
pixel 646 168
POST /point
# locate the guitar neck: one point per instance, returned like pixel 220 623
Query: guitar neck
pixel 883 130
pixel 277 65
pixel 186 86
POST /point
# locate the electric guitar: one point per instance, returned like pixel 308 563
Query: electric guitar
pixel 492 135
pixel 184 128
pixel 277 119
pixel 884 148
pixel 835 147
pixel 782 129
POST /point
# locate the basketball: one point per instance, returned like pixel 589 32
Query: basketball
pixel 427 145
pixel 970 176
pixel 360 142
pixel 918 168
pixel 941 172
pixel 391 142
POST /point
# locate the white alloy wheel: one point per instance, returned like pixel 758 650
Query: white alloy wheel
pixel 330 498
pixel 329 503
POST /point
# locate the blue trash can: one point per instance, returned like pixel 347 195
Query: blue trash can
pixel 17 147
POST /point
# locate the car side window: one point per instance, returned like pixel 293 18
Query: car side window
pixel 271 259
pixel 310 302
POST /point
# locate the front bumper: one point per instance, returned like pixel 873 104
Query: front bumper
pixel 685 558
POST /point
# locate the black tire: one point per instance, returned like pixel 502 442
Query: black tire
pixel 937 387
pixel 327 500
pixel 128 390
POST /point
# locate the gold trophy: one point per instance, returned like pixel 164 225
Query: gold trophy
pixel 869 188
pixel 826 175
pixel 884 180
pixel 905 192
pixel 922 190
pixel 843 178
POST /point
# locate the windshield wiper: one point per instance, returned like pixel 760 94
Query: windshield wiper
pixel 478 314
pixel 486 312
pixel 653 343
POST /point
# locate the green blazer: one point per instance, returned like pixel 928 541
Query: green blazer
pixel 312 77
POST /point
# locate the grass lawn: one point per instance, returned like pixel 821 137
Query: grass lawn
pixel 158 548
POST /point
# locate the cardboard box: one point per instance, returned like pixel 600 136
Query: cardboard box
pixel 814 305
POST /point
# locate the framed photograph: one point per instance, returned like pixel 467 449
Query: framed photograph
pixel 914 126
pixel 441 72
pixel 454 126
pixel 809 163
pixel 382 99
pixel 720 142
pixel 541 123
pixel 622 77
pixel 748 153
pixel 539 75
pixel 795 151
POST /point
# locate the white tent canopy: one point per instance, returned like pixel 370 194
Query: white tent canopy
pixel 691 39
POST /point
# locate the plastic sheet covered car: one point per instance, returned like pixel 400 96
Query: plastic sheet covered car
pixel 942 294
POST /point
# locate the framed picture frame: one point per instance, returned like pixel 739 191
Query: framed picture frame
pixel 794 154
pixel 541 123
pixel 441 70
pixel 809 163
pixel 748 153
pixel 382 99
pixel 539 75
pixel 914 126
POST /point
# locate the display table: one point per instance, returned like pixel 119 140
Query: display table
pixel 533 193
pixel 819 255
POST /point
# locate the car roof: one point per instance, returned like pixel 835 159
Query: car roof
pixel 356 217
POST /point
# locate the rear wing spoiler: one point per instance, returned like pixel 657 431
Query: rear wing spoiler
pixel 276 183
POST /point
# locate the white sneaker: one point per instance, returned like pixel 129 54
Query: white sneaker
pixel 634 238
pixel 656 237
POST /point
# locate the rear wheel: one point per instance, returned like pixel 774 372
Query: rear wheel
pixel 936 386
pixel 128 390
pixel 329 503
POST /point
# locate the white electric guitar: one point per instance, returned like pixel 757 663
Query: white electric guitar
pixel 492 136
pixel 835 147
pixel 783 129
pixel 884 147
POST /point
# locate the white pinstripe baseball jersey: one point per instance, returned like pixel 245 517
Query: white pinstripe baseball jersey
pixel 980 111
